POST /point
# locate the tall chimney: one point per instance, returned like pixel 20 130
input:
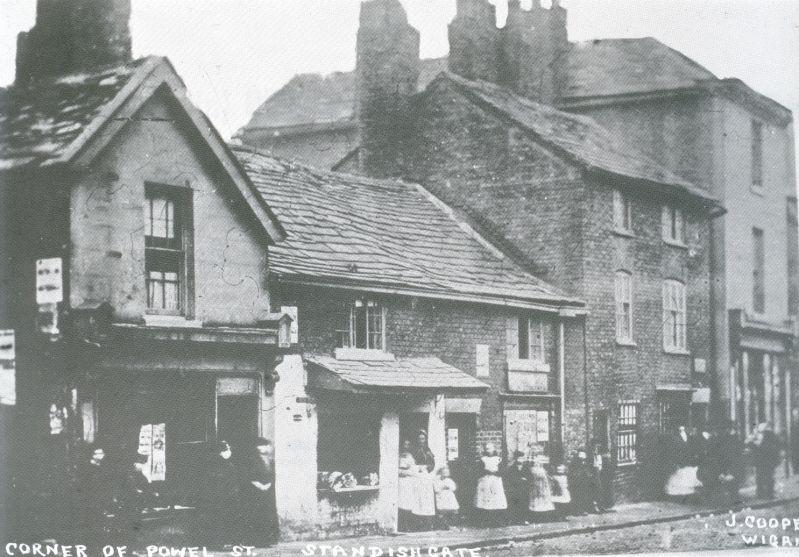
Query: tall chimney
pixel 387 71
pixel 473 41
pixel 534 45
pixel 74 35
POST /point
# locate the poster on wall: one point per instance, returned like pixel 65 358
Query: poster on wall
pixel 8 372
pixel 152 442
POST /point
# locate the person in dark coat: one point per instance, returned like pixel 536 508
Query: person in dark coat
pixel 517 487
pixel 697 445
pixel 582 484
pixel 604 473
pixel 135 493
pixel 259 486
pixel 732 473
pixel 766 449
pixel 96 497
pixel 223 505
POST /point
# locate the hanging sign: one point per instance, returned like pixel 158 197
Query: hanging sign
pixel 8 378
pixel 49 281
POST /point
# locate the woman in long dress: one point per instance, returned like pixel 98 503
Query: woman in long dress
pixel 542 507
pixel 489 499
pixel 406 487
pixel 683 482
pixel 424 509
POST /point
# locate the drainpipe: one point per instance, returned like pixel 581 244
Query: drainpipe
pixel 585 381
pixel 562 383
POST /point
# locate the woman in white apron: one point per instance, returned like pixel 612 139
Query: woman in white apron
pixel 406 487
pixel 489 498
pixel 424 508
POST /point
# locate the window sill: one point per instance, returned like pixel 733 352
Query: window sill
pixel 363 355
pixel 626 343
pixel 534 366
pixel 757 190
pixel 674 243
pixel 165 320
pixel 626 464
pixel 624 233
pixel 677 351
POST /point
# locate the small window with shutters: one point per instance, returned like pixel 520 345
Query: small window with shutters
pixel 526 339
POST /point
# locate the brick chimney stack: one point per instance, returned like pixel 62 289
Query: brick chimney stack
pixel 473 41
pixel 534 45
pixel 74 35
pixel 387 71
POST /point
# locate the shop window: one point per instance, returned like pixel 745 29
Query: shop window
pixel 348 451
pixel 166 216
pixel 673 225
pixel 624 307
pixel 622 212
pixel 526 430
pixel 362 326
pixel 674 316
pixel 627 433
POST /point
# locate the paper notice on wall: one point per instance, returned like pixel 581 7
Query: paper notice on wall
pixel 452 444
pixel 146 439
pixel 49 289
pixel 542 424
pixel 158 455
pixel 294 331
pixel 8 372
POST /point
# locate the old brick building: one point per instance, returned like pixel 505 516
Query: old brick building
pixel 407 319
pixel 156 335
pixel 566 197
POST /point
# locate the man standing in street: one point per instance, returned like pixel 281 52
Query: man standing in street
pixel 766 449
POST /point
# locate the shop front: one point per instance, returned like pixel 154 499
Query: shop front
pixel 760 374
pixel 169 394
pixel 338 432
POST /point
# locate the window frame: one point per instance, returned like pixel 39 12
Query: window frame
pixel 673 225
pixel 530 324
pixel 620 300
pixel 756 152
pixel 622 213
pixel 758 271
pixel 675 317
pixel 627 427
pixel 352 332
pixel 168 253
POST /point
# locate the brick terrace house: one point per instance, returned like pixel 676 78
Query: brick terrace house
pixel 569 200
pixel 407 319
pixel 162 339
pixel 720 134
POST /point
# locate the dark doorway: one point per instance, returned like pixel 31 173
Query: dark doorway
pixel 600 430
pixel 237 421
pixel 411 423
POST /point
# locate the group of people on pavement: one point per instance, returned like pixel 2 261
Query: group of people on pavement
pixel 523 491
pixel 714 466
pixel 237 506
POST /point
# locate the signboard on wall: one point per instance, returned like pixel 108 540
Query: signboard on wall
pixel 482 364
pixel 8 371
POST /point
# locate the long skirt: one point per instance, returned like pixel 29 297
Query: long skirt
pixel 490 494
pixel 683 482
pixel 540 494
pixel 425 500
pixel 407 493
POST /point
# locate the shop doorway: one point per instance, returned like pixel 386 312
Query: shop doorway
pixel 411 423
pixel 237 410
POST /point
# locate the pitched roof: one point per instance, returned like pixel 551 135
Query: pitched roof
pixel 404 374
pixel 605 67
pixel 578 137
pixel 312 99
pixel 593 68
pixel 40 120
pixel 59 119
pixel 350 231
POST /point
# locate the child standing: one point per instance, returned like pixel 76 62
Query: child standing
pixel 489 499
pixel 446 502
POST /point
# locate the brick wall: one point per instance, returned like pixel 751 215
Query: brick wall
pixel 561 221
pixel 417 327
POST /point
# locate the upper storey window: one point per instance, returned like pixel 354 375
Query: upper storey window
pixel 165 215
pixel 622 212
pixel 362 326
pixel 757 155
pixel 673 225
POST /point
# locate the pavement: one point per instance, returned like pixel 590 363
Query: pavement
pixel 622 516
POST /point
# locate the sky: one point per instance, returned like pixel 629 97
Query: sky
pixel 233 54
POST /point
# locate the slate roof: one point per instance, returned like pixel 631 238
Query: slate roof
pixel 594 68
pixel 39 121
pixel 605 67
pixel 579 137
pixel 401 374
pixel 312 99
pixel 354 231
